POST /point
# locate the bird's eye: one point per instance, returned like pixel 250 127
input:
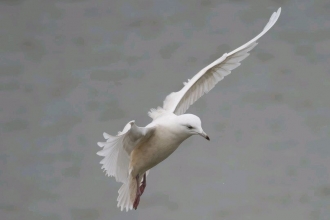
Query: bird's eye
pixel 189 127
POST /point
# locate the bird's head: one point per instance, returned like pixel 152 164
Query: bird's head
pixel 191 125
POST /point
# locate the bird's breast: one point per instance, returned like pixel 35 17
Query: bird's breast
pixel 155 149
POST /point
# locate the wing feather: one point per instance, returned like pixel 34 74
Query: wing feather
pixel 208 77
pixel 116 150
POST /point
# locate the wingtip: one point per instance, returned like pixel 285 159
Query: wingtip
pixel 278 12
pixel 106 135
pixel 100 154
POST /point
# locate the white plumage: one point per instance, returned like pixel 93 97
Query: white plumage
pixel 130 154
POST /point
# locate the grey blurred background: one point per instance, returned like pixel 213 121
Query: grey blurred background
pixel 73 69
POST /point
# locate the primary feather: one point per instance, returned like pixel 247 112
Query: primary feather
pixel 207 78
pixel 116 150
pixel 116 160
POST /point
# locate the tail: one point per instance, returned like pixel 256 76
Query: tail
pixel 127 194
pixel 124 200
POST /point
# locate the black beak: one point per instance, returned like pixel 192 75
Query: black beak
pixel 204 135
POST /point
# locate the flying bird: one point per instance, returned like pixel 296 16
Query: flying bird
pixel 130 155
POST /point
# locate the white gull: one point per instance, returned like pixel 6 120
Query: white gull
pixel 130 155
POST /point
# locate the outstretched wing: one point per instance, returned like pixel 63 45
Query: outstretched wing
pixel 207 78
pixel 116 150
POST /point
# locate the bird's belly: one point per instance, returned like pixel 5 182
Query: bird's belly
pixel 152 154
pixel 161 153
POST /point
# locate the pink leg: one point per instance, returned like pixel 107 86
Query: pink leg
pixel 138 193
pixel 144 183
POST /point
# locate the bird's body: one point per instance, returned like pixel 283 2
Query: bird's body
pixel 165 137
pixel 150 151
pixel 154 150
pixel 134 151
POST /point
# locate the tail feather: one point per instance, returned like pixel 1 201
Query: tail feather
pixel 132 188
pixel 127 194
pixel 124 201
